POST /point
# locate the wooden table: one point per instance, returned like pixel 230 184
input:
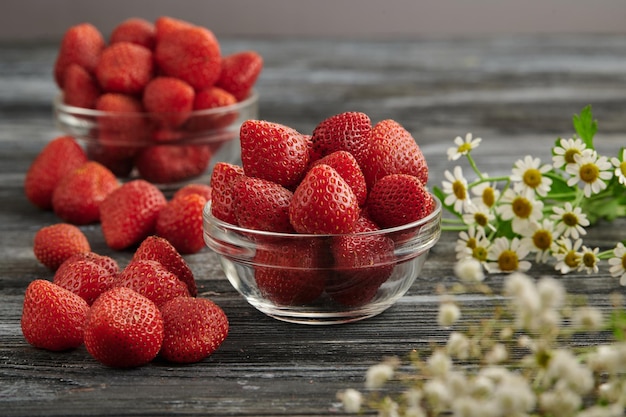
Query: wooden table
pixel 518 94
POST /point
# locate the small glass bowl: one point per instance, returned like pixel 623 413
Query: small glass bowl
pixel 158 147
pixel 292 277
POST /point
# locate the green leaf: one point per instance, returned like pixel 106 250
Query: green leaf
pixel 585 126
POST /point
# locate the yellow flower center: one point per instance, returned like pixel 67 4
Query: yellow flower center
pixel 465 148
pixel 480 253
pixel 521 207
pixel 622 168
pixel 508 261
pixel 589 259
pixel 570 219
pixel 489 196
pixel 532 178
pixel 542 239
pixel 569 155
pixel 589 173
pixel 624 261
pixel 471 243
pixel 458 188
pixel 481 219
pixel 572 259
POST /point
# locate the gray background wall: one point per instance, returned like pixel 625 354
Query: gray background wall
pixel 47 19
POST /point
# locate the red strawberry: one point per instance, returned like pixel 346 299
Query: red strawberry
pixel 60 156
pixel 393 151
pixel 84 278
pixel 135 30
pixel 288 273
pixel 164 164
pixel 80 88
pixel 166 25
pixel 239 73
pixel 125 67
pixel 399 199
pixel 273 152
pixel 124 117
pixel 78 196
pixel 152 280
pixel 194 328
pixel 222 179
pixel 107 262
pixel 54 244
pixel 112 157
pixel 129 213
pixel 53 318
pixel 180 222
pixel 191 54
pixel 124 329
pixel 170 100
pixel 344 163
pixel 212 98
pixel 82 45
pixel 262 205
pixel 155 248
pixel 323 203
pixel 194 188
pixel 349 131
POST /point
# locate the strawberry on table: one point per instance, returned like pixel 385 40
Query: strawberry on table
pixel 135 30
pixel 222 180
pixel 107 262
pixel 348 131
pixel 82 44
pixel 163 164
pixel 125 68
pixel 54 244
pixel 262 205
pixel 84 278
pixel 170 100
pixel 180 222
pixel 204 190
pixel 240 72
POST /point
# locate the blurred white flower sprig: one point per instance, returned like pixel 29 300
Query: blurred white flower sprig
pixel 540 209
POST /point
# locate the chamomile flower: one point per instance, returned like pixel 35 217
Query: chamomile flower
pixel 563 154
pixel 528 176
pixel 486 193
pixel 479 215
pixel 463 147
pixel 472 244
pixel 570 221
pixel 620 167
pixel 618 263
pixel 522 209
pixel 568 257
pixel 538 238
pixel 456 190
pixel 591 171
pixel 508 256
pixel 589 260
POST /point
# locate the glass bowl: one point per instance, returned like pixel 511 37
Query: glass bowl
pixel 158 147
pixel 294 278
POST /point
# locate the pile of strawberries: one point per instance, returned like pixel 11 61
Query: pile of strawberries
pixel 347 177
pixel 168 68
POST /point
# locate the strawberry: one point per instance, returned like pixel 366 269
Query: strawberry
pixel 125 68
pixel 84 278
pixel 60 156
pixel 107 262
pixel 123 329
pixel 77 197
pixel 156 248
pixel 194 328
pixel 124 118
pixel 399 199
pixel 128 214
pixel 80 87
pixel 53 318
pixel 348 131
pixel 191 54
pixel 170 100
pixel 82 44
pixel 118 159
pixel 135 30
pixel 166 25
pixel 323 203
pixel 212 98
pixel 239 73
pixel 194 188
pixel 54 244
pixel 222 179
pixel 152 280
pixel 262 205
pixel 164 164
pixel 180 222
pixel 393 151
pixel 288 273
pixel 273 152
pixel 344 163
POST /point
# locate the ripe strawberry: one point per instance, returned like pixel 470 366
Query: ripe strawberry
pixel 194 328
pixel 191 54
pixel 82 45
pixel 84 278
pixel 164 164
pixel 222 179
pixel 128 214
pixel 273 152
pixel 60 156
pixel 262 205
pixel 393 151
pixel 80 87
pixel 124 118
pixel 125 68
pixel 156 248
pixel 212 98
pixel 323 203
pixel 288 273
pixel 240 72
pixel 398 199
pixel 152 280
pixel 77 197
pixel 194 188
pixel 344 163
pixel 54 244
pixel 170 100
pixel 164 25
pixel 124 329
pixel 118 159
pixel 53 318
pixel 135 30
pixel 348 131
pixel 180 222
pixel 107 262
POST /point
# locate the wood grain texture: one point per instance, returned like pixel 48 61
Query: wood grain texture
pixel 518 94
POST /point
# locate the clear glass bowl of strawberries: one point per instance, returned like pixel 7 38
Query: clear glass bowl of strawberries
pixel 334 227
pixel 158 100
